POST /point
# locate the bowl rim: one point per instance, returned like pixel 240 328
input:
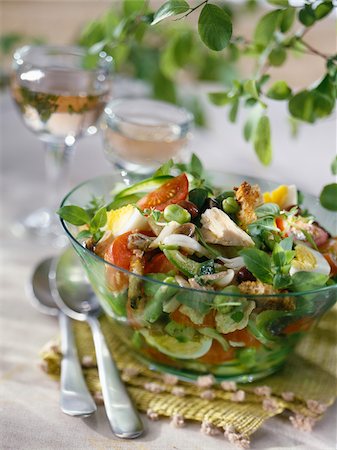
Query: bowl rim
pixel 73 240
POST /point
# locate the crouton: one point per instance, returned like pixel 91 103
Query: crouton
pixel 259 288
pixel 249 197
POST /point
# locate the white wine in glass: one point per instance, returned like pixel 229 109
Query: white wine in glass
pixel 60 99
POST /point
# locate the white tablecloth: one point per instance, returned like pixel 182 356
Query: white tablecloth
pixel 30 416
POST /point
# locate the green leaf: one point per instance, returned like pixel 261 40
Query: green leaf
pixel 277 56
pixel 250 88
pixel 251 123
pixel 170 8
pixel 328 197
pixel 310 105
pixel 266 27
pixel 267 209
pixel 307 16
pixel 323 9
pixel 99 219
pixel 287 20
pixel 287 243
pixel 279 91
pixel 134 6
pixel 306 281
pixel 198 196
pixel 220 98
pixel 84 234
pixel 215 27
pixel 283 3
pixel 196 166
pixel 262 141
pixel 165 169
pixel 233 112
pixel 334 166
pixel 258 263
pixel 281 281
pixel 74 215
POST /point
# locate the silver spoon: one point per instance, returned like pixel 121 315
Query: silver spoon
pixel 75 398
pixel 74 296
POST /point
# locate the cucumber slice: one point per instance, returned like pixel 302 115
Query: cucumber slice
pixel 128 200
pixel 195 348
pixel 148 185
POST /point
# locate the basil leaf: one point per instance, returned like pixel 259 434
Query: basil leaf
pixel 267 209
pixel 258 263
pixel 170 8
pixel 310 239
pixel 281 281
pixel 84 234
pixel 99 219
pixel 306 281
pixel 198 196
pixel 323 9
pixel 262 141
pixel 196 166
pixel 215 27
pixel 328 197
pixel 74 215
pixel 287 243
pixel 164 169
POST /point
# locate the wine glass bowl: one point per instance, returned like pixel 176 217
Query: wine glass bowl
pixel 140 134
pixel 256 349
pixel 60 98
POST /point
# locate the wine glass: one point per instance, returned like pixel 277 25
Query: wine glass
pixel 140 134
pixel 60 92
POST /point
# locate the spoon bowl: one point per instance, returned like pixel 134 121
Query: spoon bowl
pixel 75 398
pixel 71 289
pixel 39 290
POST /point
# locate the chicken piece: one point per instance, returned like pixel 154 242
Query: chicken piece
pixel 249 197
pixel 259 288
pixel 219 228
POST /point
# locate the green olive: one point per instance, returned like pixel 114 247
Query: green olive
pixel 177 213
pixel 230 205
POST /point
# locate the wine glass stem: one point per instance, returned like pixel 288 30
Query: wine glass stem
pixel 57 157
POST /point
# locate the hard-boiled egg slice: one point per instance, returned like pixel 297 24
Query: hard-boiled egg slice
pixel 125 219
pixel 285 196
pixel 308 260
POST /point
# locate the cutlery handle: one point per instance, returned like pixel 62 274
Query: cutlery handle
pixel 123 417
pixel 75 397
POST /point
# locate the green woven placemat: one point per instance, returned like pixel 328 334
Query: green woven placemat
pixel 305 387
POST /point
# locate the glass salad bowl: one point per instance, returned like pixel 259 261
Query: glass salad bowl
pixel 191 331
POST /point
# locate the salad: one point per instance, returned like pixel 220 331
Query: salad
pixel 206 280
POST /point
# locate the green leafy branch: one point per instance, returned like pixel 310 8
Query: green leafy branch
pixel 163 55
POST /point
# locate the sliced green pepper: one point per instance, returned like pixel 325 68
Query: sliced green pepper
pixel 154 307
pixel 186 265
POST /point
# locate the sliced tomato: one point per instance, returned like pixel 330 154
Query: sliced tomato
pixel 159 264
pixel 118 253
pixel 216 354
pixel 302 324
pixel 179 317
pixel 243 336
pixel 171 192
